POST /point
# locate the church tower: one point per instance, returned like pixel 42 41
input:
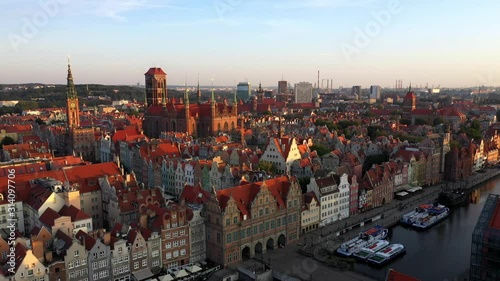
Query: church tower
pixel 156 87
pixel 198 92
pixel 186 107
pixel 72 107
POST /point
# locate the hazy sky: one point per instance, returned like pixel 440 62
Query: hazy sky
pixel 452 43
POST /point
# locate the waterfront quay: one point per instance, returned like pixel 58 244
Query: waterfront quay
pixel 330 237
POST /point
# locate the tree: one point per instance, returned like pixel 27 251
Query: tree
pixel 420 122
pixel 303 183
pixel 7 141
pixel 27 105
pixel 438 120
pixel 321 149
pixel 267 167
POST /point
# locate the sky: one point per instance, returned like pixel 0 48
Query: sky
pixel 451 43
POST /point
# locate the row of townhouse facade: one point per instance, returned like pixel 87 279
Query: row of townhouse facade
pixel 164 238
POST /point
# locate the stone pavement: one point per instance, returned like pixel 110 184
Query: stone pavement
pixel 289 261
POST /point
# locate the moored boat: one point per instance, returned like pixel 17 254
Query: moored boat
pixel 434 216
pixel 365 238
pixel 371 249
pixel 387 254
pixel 420 211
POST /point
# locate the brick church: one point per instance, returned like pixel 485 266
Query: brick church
pixel 199 119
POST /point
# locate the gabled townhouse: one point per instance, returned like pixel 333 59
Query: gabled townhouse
pixel 98 258
pixel 310 214
pixel 221 176
pixel 490 152
pixel 27 266
pixel 54 222
pixel 129 203
pixel 194 197
pixel 171 222
pixel 304 168
pixel 153 241
pixel 75 257
pixel 85 179
pixel 120 253
pixel 40 200
pixel 353 195
pixel 344 199
pixel 433 150
pixel 379 180
pixel 479 159
pixel 281 152
pixel 331 160
pixel 69 220
pixel 327 192
pixel 147 154
pixel 252 218
pixel 458 164
pixel 138 255
pixel 353 163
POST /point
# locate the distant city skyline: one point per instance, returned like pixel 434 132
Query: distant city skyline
pixel 354 42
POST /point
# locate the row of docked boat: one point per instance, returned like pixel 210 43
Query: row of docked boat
pixel 372 247
pixel 425 216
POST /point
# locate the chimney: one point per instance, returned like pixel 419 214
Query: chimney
pixel 49 257
pixel 143 220
pixel 106 238
pixel 127 178
pixel 38 249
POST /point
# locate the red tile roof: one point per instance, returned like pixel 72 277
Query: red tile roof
pixel 155 71
pixel 73 212
pixel 49 216
pixel 194 194
pixel 245 194
pixel 86 240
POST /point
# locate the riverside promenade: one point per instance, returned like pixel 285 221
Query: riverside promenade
pixel 323 242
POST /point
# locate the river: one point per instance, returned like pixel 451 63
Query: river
pixel 442 252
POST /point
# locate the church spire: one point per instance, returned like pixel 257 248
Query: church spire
pixel 186 92
pixel 409 88
pixel 71 91
pixel 213 93
pixel 236 96
pixel 199 91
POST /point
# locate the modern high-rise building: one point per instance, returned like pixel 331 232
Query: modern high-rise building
pixel 303 92
pixel 356 91
pixel 375 92
pixel 244 90
pixel 485 250
pixel 282 87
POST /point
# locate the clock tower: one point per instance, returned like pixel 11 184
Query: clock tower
pixel 72 108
